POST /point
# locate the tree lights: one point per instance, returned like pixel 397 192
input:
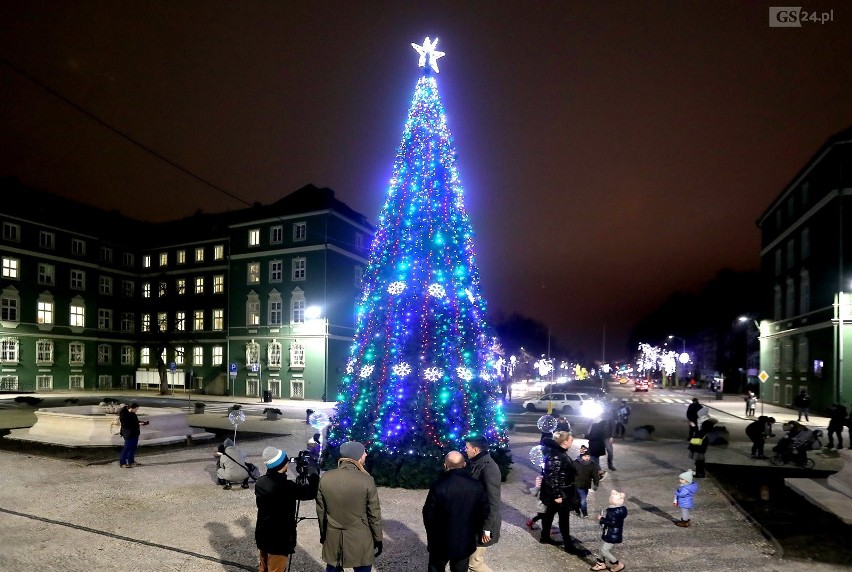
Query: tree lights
pixel 422 374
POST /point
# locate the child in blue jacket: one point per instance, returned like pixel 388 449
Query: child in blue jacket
pixel 612 527
pixel 684 497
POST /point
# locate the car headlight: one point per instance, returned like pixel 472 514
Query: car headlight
pixel 591 409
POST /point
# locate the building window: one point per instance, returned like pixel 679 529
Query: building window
pixel 164 289
pixel 105 285
pixel 790 301
pixel 218 319
pixel 47 240
pixel 164 259
pixel 198 320
pixel 359 241
pixel 787 355
pixel 181 256
pixel 804 293
pixel 253 273
pixel 181 286
pixel 252 354
pixel 300 231
pixel 778 221
pixel 128 288
pixel 297 355
pixel 180 321
pixel 44 309
pixel 776 303
pixel 146 261
pixel 106 254
pixel 128 355
pixel 145 356
pixel 217 355
pixel 199 285
pixel 78 314
pixel 44 382
pixel 146 289
pixel 254 237
pixel 127 321
pixel 78 279
pixel 75 382
pixel 791 253
pixel 78 247
pixel 276 234
pixel 163 321
pixel 273 355
pixel 180 355
pixel 104 319
pixel 128 260
pixel 276 306
pixel 802 355
pixel 805 243
pixel 276 271
pixel 104 354
pixel 198 355
pixel 219 284
pixel 199 254
pixel 252 309
pixel 9 382
pixel 299 265
pixel 11 232
pixel 11 268
pixel 358 275
pixel 76 353
pixel 46 274
pixel 146 322
pixel 297 307
pixel 9 351
pixel 10 301
pixel 44 352
pixel 219 252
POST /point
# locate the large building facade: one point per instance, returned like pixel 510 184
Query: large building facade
pixel 806 263
pixel 244 303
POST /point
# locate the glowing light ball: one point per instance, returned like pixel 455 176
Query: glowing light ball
pixel 319 420
pixel 537 456
pixel 546 424
pixel 236 417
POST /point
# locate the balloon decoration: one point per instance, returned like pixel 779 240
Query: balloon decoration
pixel 236 417
pixel 546 424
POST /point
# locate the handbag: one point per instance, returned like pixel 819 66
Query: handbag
pixel 696 441
pixel 251 469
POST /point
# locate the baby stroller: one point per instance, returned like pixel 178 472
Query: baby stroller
pixel 795 449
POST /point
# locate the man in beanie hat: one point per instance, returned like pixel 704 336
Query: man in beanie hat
pixel 350 518
pixel 276 496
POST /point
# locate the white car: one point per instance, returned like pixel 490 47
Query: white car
pixel 566 403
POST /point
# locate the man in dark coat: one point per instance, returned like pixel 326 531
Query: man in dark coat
pixel 692 416
pixel 485 470
pixel 454 514
pixel 600 440
pixel 276 496
pixel 130 432
pixel 758 431
pixel 836 418
pixel 558 491
pixel 803 404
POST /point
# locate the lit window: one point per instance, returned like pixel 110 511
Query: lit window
pixel 11 267
pixel 145 356
pixel 78 279
pixel 180 321
pixel 181 286
pixel 104 319
pixel 300 231
pixel 44 310
pixel 276 271
pixel 199 320
pixel 299 266
pixel 254 273
pixel 252 309
pixel 199 285
pixel 44 352
pixel 198 355
pixel 76 353
pixel 146 289
pixel 181 257
pixel 146 261
pixel 218 319
pixel 219 284
pixel 217 355
pixel 297 307
pixel 164 259
pixel 9 351
pixel 146 322
pixel 199 254
pixel 276 234
pixel 78 247
pixel 47 240
pixel 252 353
pixel 46 274
pixel 254 237
pixel 78 315
pixel 164 289
pixel 163 321
pixel 180 355
pixel 11 232
pixel 219 252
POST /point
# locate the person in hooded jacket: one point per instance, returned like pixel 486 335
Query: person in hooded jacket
pixel 558 489
pixel 697 451
pixel 587 478
pixel 684 497
pixel 232 465
pixel 276 497
pixel 612 529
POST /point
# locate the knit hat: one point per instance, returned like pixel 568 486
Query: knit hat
pixel 228 442
pixel 274 458
pixel 687 476
pixel 352 450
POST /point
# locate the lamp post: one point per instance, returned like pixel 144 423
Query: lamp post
pixel 748 320
pixel 682 351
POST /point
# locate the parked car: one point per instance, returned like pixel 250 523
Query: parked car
pixel 566 403
pixel 641 385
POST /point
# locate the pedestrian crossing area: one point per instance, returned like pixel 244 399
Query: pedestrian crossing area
pixel 652 398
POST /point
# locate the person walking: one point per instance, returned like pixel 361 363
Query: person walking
pixel 350 518
pixel 600 440
pixel 130 432
pixel 803 404
pixel 276 497
pixel 758 432
pixel 612 530
pixel 836 419
pixel 685 497
pixel 540 509
pixel 587 477
pixel 454 513
pixel 621 419
pixel 558 489
pixel 485 470
pixel 751 404
pixel 698 447
pixel 692 416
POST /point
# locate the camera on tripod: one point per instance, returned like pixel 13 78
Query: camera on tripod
pixel 307 465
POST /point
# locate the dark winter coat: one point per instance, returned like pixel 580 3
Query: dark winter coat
pixel 456 509
pixel 559 476
pixel 350 517
pixel 837 416
pixel 485 470
pixel 276 496
pixel 129 423
pixel 587 474
pixel 702 434
pixel 692 412
pixel 802 401
pixel 756 431
pixel 599 433
pixel 612 524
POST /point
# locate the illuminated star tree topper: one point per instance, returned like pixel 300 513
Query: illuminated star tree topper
pixel 428 53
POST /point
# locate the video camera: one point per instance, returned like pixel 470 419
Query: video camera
pixel 307 465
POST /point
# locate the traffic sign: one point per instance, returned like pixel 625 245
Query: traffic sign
pixel 173 367
pixel 255 367
pixel 233 369
pixel 763 376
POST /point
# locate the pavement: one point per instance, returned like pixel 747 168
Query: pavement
pixel 77 514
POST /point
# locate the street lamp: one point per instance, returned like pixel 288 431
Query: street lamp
pixel 747 320
pixel 680 358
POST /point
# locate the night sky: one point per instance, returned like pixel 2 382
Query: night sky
pixel 611 153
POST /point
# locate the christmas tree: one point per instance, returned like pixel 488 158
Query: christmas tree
pixel 422 374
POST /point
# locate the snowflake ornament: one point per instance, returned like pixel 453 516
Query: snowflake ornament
pixel 464 373
pixel 433 374
pixel 366 371
pixel 396 287
pixel 436 290
pixel 401 369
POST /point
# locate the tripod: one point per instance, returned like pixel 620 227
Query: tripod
pixel 299 519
